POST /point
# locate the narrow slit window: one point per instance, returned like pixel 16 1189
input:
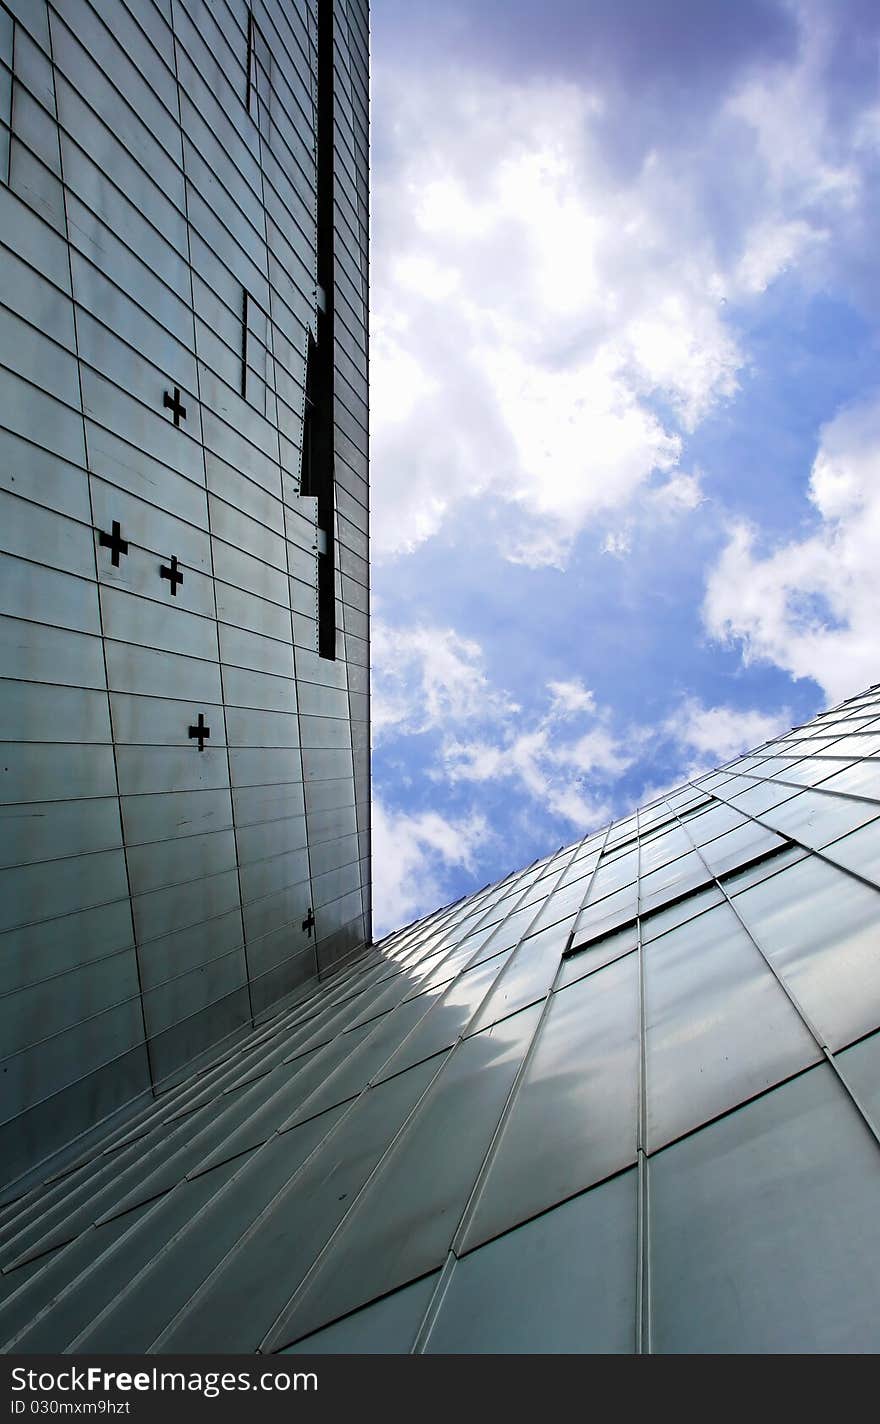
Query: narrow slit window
pixel 7 64
pixel 308 479
pixel 251 89
pixel 316 480
pixel 257 370
pixel 259 78
pixel 319 412
pixel 244 341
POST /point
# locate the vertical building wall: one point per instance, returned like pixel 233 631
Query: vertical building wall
pixel 158 218
pixel 351 426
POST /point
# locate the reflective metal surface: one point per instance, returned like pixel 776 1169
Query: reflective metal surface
pixel 561 1284
pixel 160 242
pixel 487 1132
pixel 765 1228
pixel 709 1000
pixel 626 1099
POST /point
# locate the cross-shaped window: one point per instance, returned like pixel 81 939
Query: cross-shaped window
pixel 172 573
pixel 174 404
pixel 114 542
pixel 200 731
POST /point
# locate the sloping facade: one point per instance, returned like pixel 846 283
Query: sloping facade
pixel 184 579
pixel 625 1100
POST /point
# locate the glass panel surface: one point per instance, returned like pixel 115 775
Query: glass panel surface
pixel 739 880
pixel 860 779
pixel 719 1027
pixel 859 852
pixel 613 873
pixel 813 771
pixel 765 1228
pixel 663 847
pixel 819 927
pixel 528 975
pixel 573 1120
pixel 711 823
pixel 562 1284
pixel 606 914
pixel 449 1017
pixel 760 796
pixel 563 905
pixel 404 1223
pixel 738 846
pixel 581 868
pixel 152 1285
pixel 857 746
pixel 579 963
pixel 814 819
pixel 677 878
pixel 388 1327
pixel 861 1067
pixel 295 1226
pixel 658 923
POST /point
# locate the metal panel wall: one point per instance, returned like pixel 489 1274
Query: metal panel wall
pixel 528 1122
pixel 158 229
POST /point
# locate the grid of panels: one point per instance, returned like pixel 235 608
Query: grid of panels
pixel 158 230
pixel 624 1100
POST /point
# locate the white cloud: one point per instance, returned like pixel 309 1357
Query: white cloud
pixel 551 757
pixel 812 606
pixel 548 325
pixel 719 733
pixel 679 495
pixel 617 544
pixel 808 168
pixel 786 108
pixel 596 750
pixel 555 312
pixel 528 310
pixel 429 677
pixel 563 758
pixel 561 754
pixel 570 697
pixel 541 766
pixel 411 853
pixel 772 247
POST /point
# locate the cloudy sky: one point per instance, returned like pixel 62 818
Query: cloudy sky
pixel 625 407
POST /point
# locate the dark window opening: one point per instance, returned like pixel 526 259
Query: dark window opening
pixel 257 366
pixel 588 940
pixel 251 90
pixel 317 465
pixel 258 78
pixel 244 340
pixel 309 476
pixel 7 85
pixel 316 479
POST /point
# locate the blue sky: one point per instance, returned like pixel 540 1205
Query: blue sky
pixel 625 408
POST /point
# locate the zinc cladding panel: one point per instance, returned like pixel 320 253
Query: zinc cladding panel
pixel 551 1132
pixel 765 1224
pixel 132 142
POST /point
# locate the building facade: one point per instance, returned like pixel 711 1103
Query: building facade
pixel 184 580
pixel 626 1100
